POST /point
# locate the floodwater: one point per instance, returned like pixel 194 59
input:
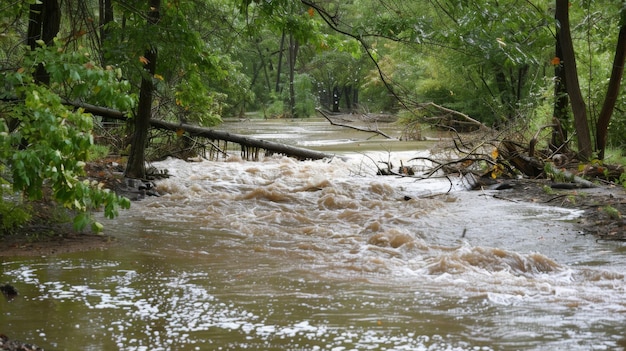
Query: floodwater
pixel 324 255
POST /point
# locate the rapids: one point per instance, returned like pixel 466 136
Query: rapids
pixel 324 255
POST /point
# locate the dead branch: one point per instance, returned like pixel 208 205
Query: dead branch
pixel 455 113
pixel 368 130
pixel 533 141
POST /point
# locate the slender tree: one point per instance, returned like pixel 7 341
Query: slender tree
pixel 579 108
pixel 43 24
pixel 136 166
pixel 561 101
pixel 614 87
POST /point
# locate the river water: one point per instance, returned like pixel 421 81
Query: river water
pixel 282 254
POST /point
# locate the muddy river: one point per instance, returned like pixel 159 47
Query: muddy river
pixel 324 255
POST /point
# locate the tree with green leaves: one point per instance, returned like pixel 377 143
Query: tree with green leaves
pixel 566 62
pixel 490 59
pixel 136 165
pixel 295 27
pixel 613 89
pixel 190 79
pixel 44 141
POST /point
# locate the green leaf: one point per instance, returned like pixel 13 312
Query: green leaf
pixel 97 227
pixel 81 221
pixel 74 75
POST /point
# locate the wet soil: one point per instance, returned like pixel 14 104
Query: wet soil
pixel 604 214
pixel 50 233
pixel 604 206
pixel 65 242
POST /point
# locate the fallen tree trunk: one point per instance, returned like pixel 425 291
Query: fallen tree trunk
pixel 244 141
pixel 575 182
pixel 530 166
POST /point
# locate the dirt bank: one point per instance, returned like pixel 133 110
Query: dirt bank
pixel 604 206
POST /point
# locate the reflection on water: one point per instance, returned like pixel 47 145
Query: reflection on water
pixel 287 255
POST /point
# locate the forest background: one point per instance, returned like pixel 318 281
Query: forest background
pixel 507 65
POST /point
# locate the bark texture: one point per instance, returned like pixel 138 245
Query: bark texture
pixel 579 109
pixel 136 167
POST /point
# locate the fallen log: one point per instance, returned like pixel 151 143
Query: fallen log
pixel 529 166
pixel 245 142
pixel 562 174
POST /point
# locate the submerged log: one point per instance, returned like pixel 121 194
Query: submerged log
pixel 246 143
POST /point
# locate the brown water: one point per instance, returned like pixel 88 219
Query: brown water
pixel 322 255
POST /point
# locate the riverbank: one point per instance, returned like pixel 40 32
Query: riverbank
pixel 604 206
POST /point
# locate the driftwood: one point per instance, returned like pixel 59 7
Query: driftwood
pixel 530 166
pixel 248 145
pixel 368 130
pixel 575 182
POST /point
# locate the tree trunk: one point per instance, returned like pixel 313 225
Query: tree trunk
pixel 522 74
pixel 561 101
pixel 43 24
pixel 106 17
pixel 347 94
pixel 336 99
pixel 136 167
pixel 280 62
pixel 573 87
pixel 504 90
pixel 355 97
pixel 613 90
pixel 263 67
pixel 245 141
pixel 293 52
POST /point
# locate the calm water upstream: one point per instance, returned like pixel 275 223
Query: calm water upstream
pixel 323 255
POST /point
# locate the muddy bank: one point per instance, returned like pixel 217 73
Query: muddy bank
pixel 64 242
pixel 604 206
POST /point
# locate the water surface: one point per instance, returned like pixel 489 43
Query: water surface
pixel 324 255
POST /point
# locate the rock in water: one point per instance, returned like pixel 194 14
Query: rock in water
pixel 14 345
pixel 8 291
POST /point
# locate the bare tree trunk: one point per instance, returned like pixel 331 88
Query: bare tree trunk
pixel 573 86
pixel 280 61
pixel 293 52
pixel 613 90
pixel 106 17
pixel 263 67
pixel 561 100
pixel 136 167
pixel 43 24
pixel 336 98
